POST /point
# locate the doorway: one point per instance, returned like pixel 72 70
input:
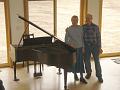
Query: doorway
pixel 110 32
pixel 3 39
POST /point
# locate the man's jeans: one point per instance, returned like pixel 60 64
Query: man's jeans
pixel 94 50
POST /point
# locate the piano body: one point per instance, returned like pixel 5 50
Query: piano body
pixel 43 49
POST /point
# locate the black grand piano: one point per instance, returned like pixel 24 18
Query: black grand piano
pixel 45 50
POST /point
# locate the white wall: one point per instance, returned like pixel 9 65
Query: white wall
pixel 17 25
pixel 93 8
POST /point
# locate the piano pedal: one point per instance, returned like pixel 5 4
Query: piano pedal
pixel 65 88
pixel 59 71
pixel 37 74
pixel 16 79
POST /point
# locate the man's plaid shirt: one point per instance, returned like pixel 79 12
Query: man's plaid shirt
pixel 92 35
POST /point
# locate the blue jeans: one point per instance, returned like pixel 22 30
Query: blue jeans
pixel 79 65
pixel 94 50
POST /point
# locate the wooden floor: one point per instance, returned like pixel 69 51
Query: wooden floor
pixel 51 81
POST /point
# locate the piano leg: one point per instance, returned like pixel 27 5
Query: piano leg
pixel 27 66
pixel 23 63
pixel 14 66
pixel 65 80
pixel 40 69
pixel 34 68
pixel 35 73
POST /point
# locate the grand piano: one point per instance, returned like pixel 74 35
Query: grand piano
pixel 45 50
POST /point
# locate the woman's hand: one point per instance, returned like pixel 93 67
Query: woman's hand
pixel 83 50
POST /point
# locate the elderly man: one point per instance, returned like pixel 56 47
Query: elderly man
pixel 92 42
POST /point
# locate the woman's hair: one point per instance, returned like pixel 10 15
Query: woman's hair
pixel 74 16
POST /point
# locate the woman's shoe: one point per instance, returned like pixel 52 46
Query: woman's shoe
pixel 76 77
pixel 83 80
pixel 88 76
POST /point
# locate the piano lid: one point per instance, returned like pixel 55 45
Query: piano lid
pixel 60 41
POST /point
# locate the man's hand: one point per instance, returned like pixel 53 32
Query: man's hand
pixel 100 51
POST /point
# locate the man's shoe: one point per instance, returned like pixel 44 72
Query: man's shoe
pixel 83 80
pixel 100 79
pixel 88 76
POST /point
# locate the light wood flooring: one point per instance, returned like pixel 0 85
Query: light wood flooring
pixel 51 81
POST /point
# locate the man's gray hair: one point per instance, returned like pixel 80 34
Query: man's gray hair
pixel 89 16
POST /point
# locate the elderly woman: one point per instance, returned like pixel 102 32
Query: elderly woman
pixel 74 37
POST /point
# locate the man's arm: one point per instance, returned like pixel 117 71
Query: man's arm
pixel 98 36
pixel 99 40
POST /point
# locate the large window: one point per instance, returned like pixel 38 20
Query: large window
pixel 3 46
pixel 65 10
pixel 111 26
pixel 41 13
